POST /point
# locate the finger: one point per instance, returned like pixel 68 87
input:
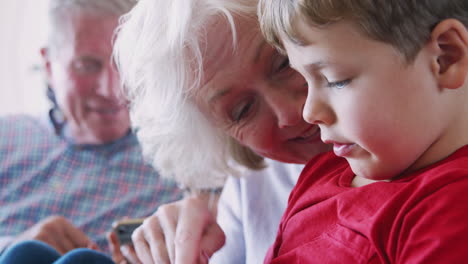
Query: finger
pixel 156 238
pixel 130 254
pixel 213 239
pixel 194 218
pixel 63 244
pixel 142 248
pixel 75 236
pixel 56 240
pixel 204 258
pixel 165 224
pixel 53 232
pixel 92 245
pixel 49 231
pixel 114 247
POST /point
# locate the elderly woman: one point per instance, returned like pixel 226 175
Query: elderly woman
pixel 209 97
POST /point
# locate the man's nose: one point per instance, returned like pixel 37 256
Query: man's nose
pixel 109 84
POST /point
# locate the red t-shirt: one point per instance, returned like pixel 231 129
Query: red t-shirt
pixel 421 218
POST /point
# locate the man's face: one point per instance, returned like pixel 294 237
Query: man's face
pixel 85 81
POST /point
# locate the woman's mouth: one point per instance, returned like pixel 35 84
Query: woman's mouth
pixel 311 134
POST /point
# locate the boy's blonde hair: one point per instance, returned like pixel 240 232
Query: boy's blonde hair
pixel 404 24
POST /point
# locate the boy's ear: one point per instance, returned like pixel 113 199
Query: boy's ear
pixel 450 66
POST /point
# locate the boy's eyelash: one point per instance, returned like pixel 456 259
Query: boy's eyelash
pixel 338 84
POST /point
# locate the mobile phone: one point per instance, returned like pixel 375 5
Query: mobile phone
pixel 124 229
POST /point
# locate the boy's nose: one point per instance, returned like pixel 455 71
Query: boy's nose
pixel 316 110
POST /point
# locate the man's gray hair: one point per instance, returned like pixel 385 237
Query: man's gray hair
pixel 159 50
pixel 59 11
pixel 100 7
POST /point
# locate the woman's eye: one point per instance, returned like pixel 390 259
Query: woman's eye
pixel 283 65
pixel 241 111
pixel 338 84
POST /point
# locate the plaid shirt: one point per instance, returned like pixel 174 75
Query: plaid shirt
pixel 42 174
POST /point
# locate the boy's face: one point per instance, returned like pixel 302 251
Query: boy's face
pixel 379 112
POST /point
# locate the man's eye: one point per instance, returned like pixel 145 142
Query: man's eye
pixel 87 66
pixel 338 84
pixel 242 111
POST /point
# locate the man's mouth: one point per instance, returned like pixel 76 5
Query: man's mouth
pixel 111 110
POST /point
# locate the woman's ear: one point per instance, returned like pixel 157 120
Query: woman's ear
pixel 450 65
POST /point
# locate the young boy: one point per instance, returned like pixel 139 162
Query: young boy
pixel 387 84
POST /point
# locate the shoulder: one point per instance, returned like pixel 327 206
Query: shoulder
pixel 284 169
pixel 277 177
pixel 272 183
pixel 25 130
pixel 21 122
pixel 446 175
pixel 23 126
pixel 445 181
pixel 436 208
pixel 274 171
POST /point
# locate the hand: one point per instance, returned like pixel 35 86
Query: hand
pixel 59 233
pixel 121 254
pixel 183 232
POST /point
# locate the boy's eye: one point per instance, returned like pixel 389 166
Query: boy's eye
pixel 338 84
pixel 242 110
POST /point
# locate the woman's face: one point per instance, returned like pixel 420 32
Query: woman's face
pixel 255 96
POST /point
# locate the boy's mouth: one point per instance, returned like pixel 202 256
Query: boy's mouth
pixel 342 150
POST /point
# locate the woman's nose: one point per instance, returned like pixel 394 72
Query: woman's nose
pixel 287 107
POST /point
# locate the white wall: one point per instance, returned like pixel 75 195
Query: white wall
pixel 22 32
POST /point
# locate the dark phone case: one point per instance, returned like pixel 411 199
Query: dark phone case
pixel 124 232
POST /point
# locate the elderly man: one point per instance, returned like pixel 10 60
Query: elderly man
pixel 66 179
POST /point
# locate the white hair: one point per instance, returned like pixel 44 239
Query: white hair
pixel 59 12
pixel 159 51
